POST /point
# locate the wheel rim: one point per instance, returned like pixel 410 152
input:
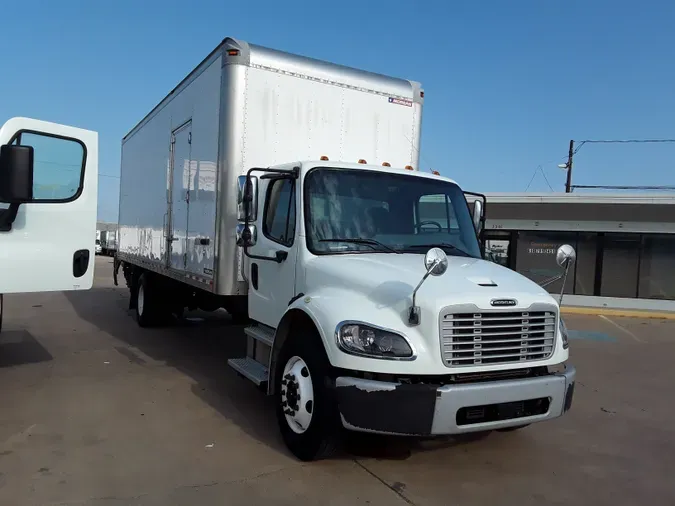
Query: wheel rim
pixel 297 395
pixel 141 300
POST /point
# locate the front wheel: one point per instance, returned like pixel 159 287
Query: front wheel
pixel 306 412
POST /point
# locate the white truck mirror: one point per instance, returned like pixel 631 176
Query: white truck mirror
pixel 478 215
pixel 16 174
pixel 251 195
pixel 565 256
pixel 47 171
pixel 246 237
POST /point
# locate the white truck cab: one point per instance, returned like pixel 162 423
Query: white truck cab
pixel 48 199
pixel 375 308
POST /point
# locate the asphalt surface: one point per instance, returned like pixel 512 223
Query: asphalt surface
pixel 96 411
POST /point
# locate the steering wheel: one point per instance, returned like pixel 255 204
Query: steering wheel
pixel 432 223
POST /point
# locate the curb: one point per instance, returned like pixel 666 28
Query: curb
pixel 627 313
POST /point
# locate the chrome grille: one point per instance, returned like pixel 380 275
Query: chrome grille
pixel 469 339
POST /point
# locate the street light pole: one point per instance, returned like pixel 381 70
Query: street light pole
pixel 568 184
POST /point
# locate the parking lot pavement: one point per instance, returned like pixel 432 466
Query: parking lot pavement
pixel 96 411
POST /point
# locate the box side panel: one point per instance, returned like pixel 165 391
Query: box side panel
pixel 289 118
pixel 145 180
pixel 270 117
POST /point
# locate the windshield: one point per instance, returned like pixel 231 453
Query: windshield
pixel 383 212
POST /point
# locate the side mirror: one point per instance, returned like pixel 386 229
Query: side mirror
pixel 247 194
pixel 246 237
pixel 436 262
pixel 16 174
pixel 565 256
pixel 477 215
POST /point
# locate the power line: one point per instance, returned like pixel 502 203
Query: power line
pixel 608 187
pixel 546 178
pixel 532 178
pixel 568 165
pixel 625 141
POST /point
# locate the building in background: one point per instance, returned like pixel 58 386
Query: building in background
pixel 625 244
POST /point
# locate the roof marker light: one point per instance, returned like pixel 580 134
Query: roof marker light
pixel 408 167
pixel 386 164
pixel 435 173
pixel 232 52
pixel 324 158
pixel 362 161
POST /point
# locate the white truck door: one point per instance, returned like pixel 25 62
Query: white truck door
pixel 48 205
pixel 272 283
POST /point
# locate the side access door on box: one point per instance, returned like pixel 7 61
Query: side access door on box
pixel 48 205
pixel 180 177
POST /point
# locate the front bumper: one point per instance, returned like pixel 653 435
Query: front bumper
pixel 423 410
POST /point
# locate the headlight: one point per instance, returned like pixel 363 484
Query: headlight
pixel 563 333
pixel 366 340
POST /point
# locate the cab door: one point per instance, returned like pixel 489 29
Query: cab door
pixel 47 239
pixel 272 275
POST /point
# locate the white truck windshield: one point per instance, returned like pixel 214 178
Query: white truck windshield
pixel 384 212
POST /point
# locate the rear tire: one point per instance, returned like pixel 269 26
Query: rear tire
pixel 306 411
pixel 149 303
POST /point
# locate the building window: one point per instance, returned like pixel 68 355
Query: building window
pixel 535 258
pixel 620 260
pixel 587 251
pixel 657 267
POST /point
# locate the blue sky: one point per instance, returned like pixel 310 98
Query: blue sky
pixel 507 83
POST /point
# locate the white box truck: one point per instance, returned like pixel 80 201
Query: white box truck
pixel 48 197
pixel 287 191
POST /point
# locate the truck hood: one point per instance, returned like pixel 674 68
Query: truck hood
pixel 389 280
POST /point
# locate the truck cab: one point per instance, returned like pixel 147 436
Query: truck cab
pixel 374 310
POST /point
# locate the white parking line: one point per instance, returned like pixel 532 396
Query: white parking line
pixel 622 328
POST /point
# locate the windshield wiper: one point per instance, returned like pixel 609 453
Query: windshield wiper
pixel 368 242
pixel 442 245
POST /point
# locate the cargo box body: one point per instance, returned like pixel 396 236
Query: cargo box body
pixel 247 106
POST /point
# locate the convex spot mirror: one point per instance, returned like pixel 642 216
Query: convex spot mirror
pixel 246 237
pixel 436 262
pixel 247 194
pixel 565 256
pixel 16 174
pixel 477 215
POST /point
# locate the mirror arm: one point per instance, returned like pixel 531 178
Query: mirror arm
pixel 7 217
pixel 548 281
pixel 562 289
pixel 414 311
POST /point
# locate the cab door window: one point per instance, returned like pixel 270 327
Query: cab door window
pixel 58 166
pixel 279 216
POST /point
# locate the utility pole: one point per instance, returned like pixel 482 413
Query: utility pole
pixel 568 184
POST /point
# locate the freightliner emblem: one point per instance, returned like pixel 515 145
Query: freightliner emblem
pixel 503 302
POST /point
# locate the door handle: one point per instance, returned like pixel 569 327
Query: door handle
pixel 80 262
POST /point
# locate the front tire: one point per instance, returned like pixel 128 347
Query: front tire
pixel 306 410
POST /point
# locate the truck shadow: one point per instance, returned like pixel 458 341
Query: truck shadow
pixel 19 347
pixel 199 347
